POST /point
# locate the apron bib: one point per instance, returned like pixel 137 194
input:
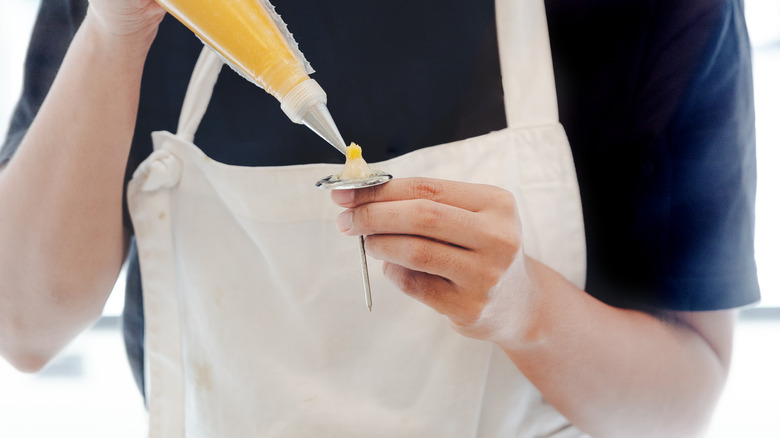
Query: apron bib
pixel 253 301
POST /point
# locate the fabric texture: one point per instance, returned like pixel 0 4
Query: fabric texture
pixel 655 96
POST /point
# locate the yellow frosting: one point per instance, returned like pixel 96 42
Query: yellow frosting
pixel 355 167
pixel 354 151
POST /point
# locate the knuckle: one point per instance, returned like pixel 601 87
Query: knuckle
pixel 366 195
pixel 371 194
pixel 512 242
pixel 425 188
pixel 408 282
pixel 364 217
pixel 420 254
pixel 504 241
pixel 428 216
pixel 505 201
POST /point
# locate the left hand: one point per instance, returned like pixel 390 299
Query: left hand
pixel 454 246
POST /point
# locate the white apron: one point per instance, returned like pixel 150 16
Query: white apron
pixel 249 333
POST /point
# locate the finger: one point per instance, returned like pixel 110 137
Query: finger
pixel 471 197
pixel 492 235
pixel 434 291
pixel 416 217
pixel 457 265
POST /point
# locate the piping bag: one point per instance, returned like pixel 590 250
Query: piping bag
pixel 254 41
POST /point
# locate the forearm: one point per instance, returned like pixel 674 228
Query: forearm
pixel 619 373
pixel 61 197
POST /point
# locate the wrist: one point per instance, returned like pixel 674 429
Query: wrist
pixel 555 309
pixel 530 325
pixel 513 317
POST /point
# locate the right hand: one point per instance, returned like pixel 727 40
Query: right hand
pixel 127 17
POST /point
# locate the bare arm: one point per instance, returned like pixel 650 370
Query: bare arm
pixel 63 240
pixel 612 372
pixel 618 373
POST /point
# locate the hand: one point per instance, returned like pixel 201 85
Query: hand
pixel 454 246
pixel 127 17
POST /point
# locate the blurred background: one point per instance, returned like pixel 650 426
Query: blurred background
pixel 88 390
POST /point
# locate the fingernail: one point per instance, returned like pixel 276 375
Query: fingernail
pixel 344 221
pixel 343 197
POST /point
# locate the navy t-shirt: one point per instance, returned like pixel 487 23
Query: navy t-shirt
pixel 655 96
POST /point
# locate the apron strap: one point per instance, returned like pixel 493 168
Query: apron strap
pixel 198 95
pixel 526 63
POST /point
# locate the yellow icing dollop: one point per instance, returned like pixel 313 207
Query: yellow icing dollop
pixel 354 151
pixel 355 167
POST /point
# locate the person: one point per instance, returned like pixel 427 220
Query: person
pixel 656 100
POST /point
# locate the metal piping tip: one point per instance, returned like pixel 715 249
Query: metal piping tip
pixel 319 120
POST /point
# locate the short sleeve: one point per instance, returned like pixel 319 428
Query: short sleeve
pixel 683 237
pixel 712 177
pixel 54 28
